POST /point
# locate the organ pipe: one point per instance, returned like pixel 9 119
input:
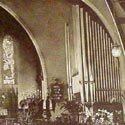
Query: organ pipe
pixel 95 60
pixel 88 59
pixel 92 58
pixel 105 68
pixel 107 65
pixel 116 80
pixel 68 63
pixel 85 72
pixel 118 73
pixel 91 61
pixel 110 68
pixel 102 55
pixel 75 36
pixel 114 75
pixel 100 62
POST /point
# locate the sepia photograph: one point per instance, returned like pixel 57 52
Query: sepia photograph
pixel 62 62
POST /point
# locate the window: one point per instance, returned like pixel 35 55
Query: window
pixel 8 60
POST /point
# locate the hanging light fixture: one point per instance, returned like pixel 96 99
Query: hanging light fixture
pixel 116 50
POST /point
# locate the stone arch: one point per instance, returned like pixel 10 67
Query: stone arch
pixel 30 35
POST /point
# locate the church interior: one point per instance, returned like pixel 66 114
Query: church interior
pixel 62 62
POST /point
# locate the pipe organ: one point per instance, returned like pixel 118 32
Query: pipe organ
pixel 100 70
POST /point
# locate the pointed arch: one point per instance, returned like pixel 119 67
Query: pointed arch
pixel 14 15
